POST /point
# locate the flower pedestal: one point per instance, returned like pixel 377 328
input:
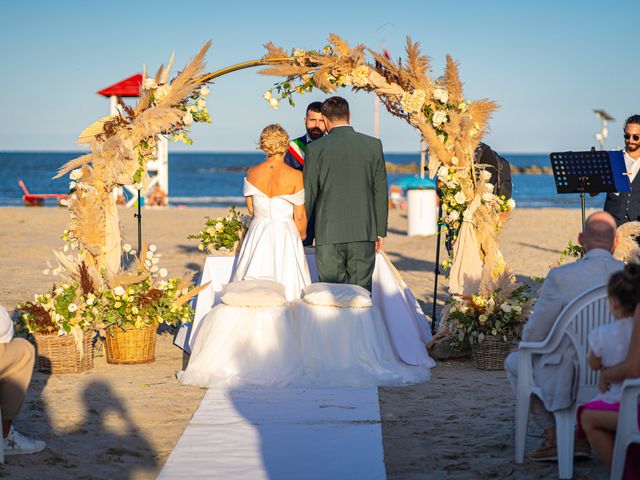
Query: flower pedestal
pixel 491 352
pixel 131 345
pixel 60 354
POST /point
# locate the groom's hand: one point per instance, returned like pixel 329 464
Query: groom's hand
pixel 379 243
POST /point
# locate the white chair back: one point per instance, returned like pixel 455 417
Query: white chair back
pixel 591 311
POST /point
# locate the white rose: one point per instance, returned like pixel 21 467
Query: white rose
pixel 443 172
pixel 460 197
pixel 152 248
pixel 485 175
pixel 511 203
pixel 218 226
pixel 76 174
pixel 505 308
pixel 454 160
pixel 201 103
pixel 163 272
pixel 441 94
pixel 517 309
pixel 489 187
pixel 72 307
pixel 274 103
pixel 149 83
pixel 90 301
pixel 72 185
pixel 187 119
pixel 454 215
pixel 360 76
pixel 439 117
pixel 149 255
pixel 413 102
pixel 267 95
pixel 119 291
pixel 204 91
pixel 161 92
pixel 487 196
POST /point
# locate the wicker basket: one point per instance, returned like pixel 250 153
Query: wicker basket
pixel 132 345
pixel 228 253
pixel 59 354
pixel 491 352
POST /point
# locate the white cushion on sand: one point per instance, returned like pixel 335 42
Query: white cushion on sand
pixel 254 293
pixel 337 295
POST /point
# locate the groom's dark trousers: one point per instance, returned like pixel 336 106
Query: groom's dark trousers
pixel 345 181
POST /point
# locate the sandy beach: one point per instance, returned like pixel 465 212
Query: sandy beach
pixel 123 421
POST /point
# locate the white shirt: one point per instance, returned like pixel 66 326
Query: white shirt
pixel 633 166
pixel 6 326
pixel 611 343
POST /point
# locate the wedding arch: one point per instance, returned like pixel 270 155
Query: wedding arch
pixel 450 124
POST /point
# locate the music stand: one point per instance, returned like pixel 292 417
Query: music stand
pixel 594 171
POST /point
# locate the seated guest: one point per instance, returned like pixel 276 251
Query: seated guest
pixel 16 366
pixel 555 373
pixel 608 346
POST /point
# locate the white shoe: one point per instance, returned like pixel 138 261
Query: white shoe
pixel 18 444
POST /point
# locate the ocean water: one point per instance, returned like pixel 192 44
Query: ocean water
pixel 213 179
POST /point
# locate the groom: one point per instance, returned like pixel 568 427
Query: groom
pixel 345 182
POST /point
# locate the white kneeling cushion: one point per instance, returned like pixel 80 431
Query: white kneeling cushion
pixel 254 293
pixel 337 295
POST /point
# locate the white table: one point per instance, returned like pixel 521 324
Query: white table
pixel 406 323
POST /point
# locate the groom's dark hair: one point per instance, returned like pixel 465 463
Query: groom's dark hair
pixel 335 108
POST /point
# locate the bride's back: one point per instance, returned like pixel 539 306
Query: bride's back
pixel 273 178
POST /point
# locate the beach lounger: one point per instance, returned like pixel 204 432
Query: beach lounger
pixel 37 199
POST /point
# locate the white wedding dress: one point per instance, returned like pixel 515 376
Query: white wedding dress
pixel 272 247
pixel 290 345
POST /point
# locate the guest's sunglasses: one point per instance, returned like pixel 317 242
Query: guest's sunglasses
pixel 627 136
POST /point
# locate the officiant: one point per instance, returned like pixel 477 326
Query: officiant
pixel 625 206
pixel 315 127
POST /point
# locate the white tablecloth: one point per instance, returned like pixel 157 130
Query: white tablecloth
pixel 406 323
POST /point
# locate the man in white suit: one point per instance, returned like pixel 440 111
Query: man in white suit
pixel 555 373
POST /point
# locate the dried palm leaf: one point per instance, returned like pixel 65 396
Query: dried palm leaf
pixel 95 129
pixel 186 281
pixel 87 221
pixel 417 64
pixel 452 82
pixel 285 70
pixel 187 80
pixel 274 51
pixel 340 45
pixel 189 295
pixel 165 74
pixel 154 121
pixel 124 279
pixel 73 164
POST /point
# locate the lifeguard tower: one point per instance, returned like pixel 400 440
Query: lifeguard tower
pixel 158 192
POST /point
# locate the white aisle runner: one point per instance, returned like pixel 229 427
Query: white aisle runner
pixel 289 433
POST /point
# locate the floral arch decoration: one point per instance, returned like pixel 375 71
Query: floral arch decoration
pixel 451 125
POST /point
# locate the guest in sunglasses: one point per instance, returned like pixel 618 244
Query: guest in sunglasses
pixel 625 206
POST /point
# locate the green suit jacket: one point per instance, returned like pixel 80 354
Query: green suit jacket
pixel 345 181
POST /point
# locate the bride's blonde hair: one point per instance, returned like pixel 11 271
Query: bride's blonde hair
pixel 273 140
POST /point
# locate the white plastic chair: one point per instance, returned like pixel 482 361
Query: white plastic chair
pixel 627 431
pixel 588 311
pixel 1 442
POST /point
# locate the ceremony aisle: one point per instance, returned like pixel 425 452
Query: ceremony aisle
pixel 288 433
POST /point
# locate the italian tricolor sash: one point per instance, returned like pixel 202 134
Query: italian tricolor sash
pixel 297 148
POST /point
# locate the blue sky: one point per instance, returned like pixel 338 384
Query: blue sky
pixel 547 63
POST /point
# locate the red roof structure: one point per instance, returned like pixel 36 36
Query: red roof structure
pixel 129 87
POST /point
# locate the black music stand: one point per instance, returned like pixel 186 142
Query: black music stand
pixel 593 172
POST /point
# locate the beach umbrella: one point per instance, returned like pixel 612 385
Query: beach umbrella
pixel 415 182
